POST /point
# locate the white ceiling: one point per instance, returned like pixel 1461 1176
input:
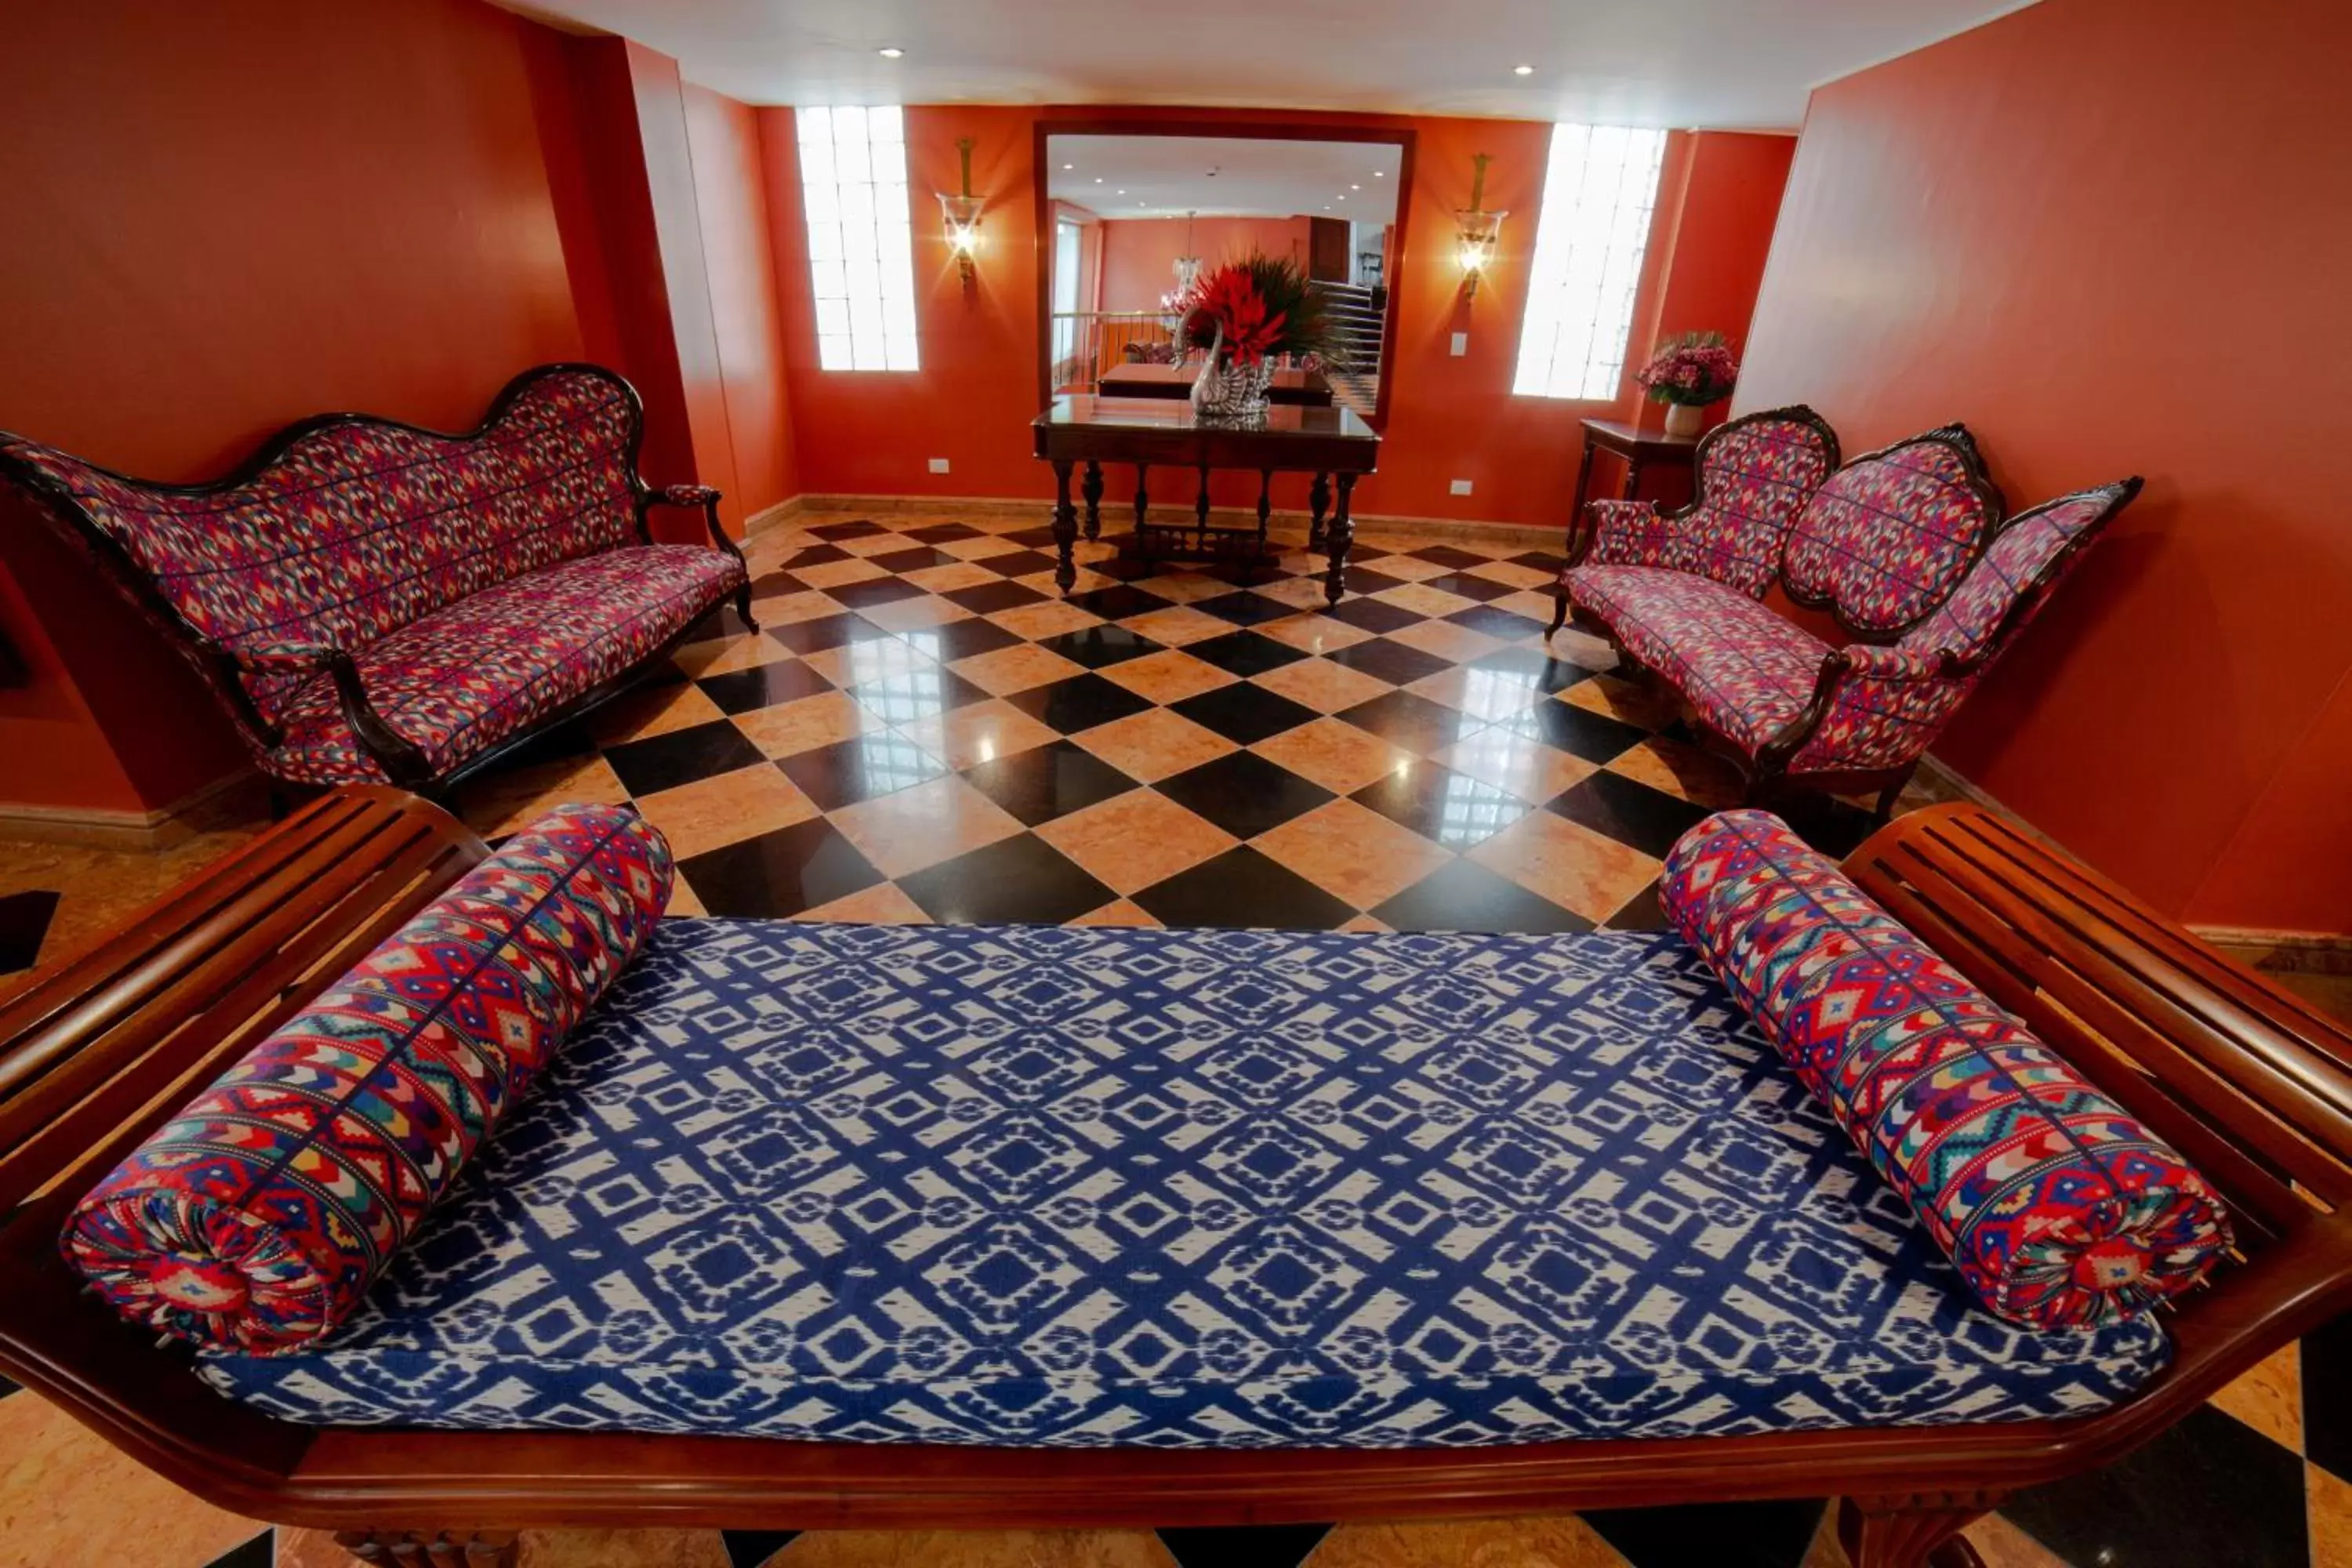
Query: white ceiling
pixel 1722 64
pixel 1167 176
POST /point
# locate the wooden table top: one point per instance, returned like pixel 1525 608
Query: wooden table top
pixel 1622 435
pixel 1162 414
pixel 1176 380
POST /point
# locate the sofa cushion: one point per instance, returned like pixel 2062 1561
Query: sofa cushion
pixel 1755 474
pixel 463 679
pixel 358 527
pixel 1038 1186
pixel 1746 670
pixel 258 1215
pixel 2061 1209
pixel 1887 537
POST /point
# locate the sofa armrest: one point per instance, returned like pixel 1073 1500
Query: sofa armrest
pixel 283 658
pixel 1624 534
pixel 403 763
pixel 705 497
pixel 1874 709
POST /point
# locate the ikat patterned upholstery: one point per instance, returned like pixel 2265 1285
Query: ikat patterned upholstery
pixel 2012 567
pixel 2061 1209
pixel 465 678
pixel 1040 1186
pixel 260 1214
pixel 1886 538
pixel 1635 533
pixel 1747 671
pixel 1755 474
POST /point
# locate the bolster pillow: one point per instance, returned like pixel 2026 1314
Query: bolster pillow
pixel 257 1217
pixel 2060 1209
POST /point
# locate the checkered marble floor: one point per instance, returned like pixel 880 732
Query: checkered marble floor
pixel 923 729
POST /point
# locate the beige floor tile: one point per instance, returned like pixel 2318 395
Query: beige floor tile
pixel 727 655
pixel 1001 671
pixel 67 1497
pixel 1423 600
pixel 1514 575
pixel 2002 1545
pixel 809 604
pixel 1586 649
pixel 805 723
pixel 1457 645
pixel 884 543
pixel 1117 912
pixel 1626 700
pixel 1503 757
pixel 975 1549
pixel 508 798
pixel 1131 841
pixel 978 733
pixel 2270 1398
pixel 1352 851
pixel 947 579
pixel 1480 693
pixel 1312 633
pixel 1394 563
pixel 1177 624
pixel 908 829
pixel 1085 581
pixel 726 808
pixel 980 547
pixel 652 710
pixel 1303 592
pixel 883 904
pixel 1169 676
pixel 1536 604
pixel 915 614
pixel 1683 771
pixel 879 659
pixel 1556 1540
pixel 1150 746
pixel 100 888
pixel 1568 863
pixel 1333 753
pixel 1366 924
pixel 1184 587
pixel 684 901
pixel 1321 685
pixel 840 573
pixel 546 1549
pixel 1050 618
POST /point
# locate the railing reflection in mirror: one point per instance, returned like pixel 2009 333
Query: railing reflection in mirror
pixel 1087 342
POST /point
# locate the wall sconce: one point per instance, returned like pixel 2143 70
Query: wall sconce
pixel 963 216
pixel 1479 230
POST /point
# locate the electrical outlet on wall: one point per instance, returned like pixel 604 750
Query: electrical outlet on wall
pixel 1458 488
pixel 1461 345
pixel 938 464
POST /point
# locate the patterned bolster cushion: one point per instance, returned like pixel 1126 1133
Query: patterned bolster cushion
pixel 2060 1209
pixel 257 1217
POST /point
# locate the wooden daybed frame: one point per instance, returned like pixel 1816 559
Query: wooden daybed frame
pixel 2252 1085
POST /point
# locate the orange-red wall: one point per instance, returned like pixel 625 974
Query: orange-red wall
pixel 1139 253
pixel 2112 236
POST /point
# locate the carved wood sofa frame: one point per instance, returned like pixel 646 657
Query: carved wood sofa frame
pixel 2252 1084
pixel 401 761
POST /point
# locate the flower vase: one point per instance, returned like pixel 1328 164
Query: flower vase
pixel 1685 419
pixel 1232 393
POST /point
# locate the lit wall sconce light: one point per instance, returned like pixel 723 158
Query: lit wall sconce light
pixel 963 216
pixel 1479 231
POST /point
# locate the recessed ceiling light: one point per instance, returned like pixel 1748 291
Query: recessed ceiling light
pixel 1523 70
pixel 1098 179
pixel 891 54
pixel 1122 192
pixel 1069 165
pixel 1355 187
pixel 1380 174
pixel 1343 195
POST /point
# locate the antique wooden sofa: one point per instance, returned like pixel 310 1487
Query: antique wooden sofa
pixel 1907 549
pixel 372 601
pixel 715 1048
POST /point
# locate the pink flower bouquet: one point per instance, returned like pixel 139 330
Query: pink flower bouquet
pixel 1694 369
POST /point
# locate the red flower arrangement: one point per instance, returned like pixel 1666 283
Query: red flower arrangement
pixel 1260 307
pixel 1694 369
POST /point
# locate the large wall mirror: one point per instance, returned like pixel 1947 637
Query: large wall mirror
pixel 1132 212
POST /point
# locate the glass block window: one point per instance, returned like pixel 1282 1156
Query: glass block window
pixel 1599 190
pixel 861 238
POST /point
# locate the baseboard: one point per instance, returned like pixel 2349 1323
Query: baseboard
pixel 1284 520
pixel 2282 951
pixel 776 516
pixel 239 797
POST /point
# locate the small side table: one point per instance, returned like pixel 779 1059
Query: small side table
pixel 1641 449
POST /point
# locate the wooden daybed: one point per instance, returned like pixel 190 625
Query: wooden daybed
pixel 2247 1081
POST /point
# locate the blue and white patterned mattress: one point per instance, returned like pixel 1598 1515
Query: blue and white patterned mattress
pixel 1035 1186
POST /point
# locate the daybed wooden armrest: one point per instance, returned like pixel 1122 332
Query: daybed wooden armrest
pixel 2251 1083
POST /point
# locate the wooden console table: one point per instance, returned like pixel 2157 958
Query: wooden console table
pixel 1332 444
pixel 1641 449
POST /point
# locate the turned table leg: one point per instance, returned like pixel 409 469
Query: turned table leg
pixel 1343 533
pixel 1319 497
pixel 1066 528
pixel 1093 492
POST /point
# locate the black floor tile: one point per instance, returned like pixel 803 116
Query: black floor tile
pixel 1243 1546
pixel 987 599
pixel 1038 538
pixel 1245 609
pixel 1442 805
pixel 1579 731
pixel 1242 888
pixel 24 921
pixel 1541 560
pixel 752 1547
pixel 2326 1357
pixel 817 556
pixel 1023 881
pixel 1048 780
pixel 1118 602
pixel 1721 1535
pixel 823 631
pixel 1374 615
pixel 860 768
pixel 571 738
pixel 959 639
pixel 864 528
pixel 1627 810
pixel 1098 647
pixel 1365 580
pixel 682 756
pixel 872 591
pixel 943 532
pixel 915 559
pixel 2211 1491
pixel 906 696
pixel 764 686
pixel 1484 590
pixel 775 585
pixel 1081 703
pixel 1017 563
pixel 258 1553
pixel 1395 662
pixel 1484 618
pixel 1244 794
pixel 1446 556
pixel 1242 713
pixel 7 1388
pixel 1825 822
pixel 1548 672
pixel 1409 720
pixel 779 874
pixel 1244 653
pixel 1462 895
pixel 1640 912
